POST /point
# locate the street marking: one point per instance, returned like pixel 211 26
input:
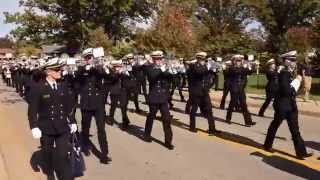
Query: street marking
pixel 311 162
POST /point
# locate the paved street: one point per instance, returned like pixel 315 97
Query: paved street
pixel 236 154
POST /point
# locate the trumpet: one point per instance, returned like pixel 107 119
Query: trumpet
pixel 214 66
pixel 249 64
pixel 176 67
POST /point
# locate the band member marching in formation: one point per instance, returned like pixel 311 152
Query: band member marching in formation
pixel 226 84
pixel 159 84
pixel 89 79
pixel 51 120
pixel 199 92
pixel 52 89
pixel 285 106
pixel 118 93
pixel 237 89
pixel 131 80
pixel 178 72
pixel 272 85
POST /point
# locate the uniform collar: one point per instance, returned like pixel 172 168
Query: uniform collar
pixel 51 83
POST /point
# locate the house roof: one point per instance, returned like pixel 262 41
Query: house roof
pixel 53 49
pixel 6 50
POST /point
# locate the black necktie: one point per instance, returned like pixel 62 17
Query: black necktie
pixel 55 86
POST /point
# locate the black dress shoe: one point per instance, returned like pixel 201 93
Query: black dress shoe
pixel 169 146
pixel 125 126
pixel 214 132
pixel 105 160
pixel 194 130
pixel 110 121
pixel 228 121
pixel 251 124
pixel 147 138
pixel 138 111
pixel 268 149
pixel 86 151
pixel 261 115
pixel 51 177
pixel 302 157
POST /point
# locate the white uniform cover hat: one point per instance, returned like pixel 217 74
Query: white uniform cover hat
pixel 157 54
pixel 201 54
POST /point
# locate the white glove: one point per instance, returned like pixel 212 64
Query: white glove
pixel 209 66
pixel 64 73
pixel 163 68
pixel 73 128
pixel 280 68
pixel 142 62
pixel 174 71
pixel 245 65
pixel 36 133
pixel 88 67
pixel 296 84
pixel 107 70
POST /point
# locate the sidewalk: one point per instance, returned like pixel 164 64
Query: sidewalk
pixel 311 108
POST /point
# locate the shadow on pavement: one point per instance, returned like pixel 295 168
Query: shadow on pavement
pixel 235 138
pixel 38 164
pixel 289 166
pixel 257 98
pixel 136 131
pixel 11 101
pixel 313 145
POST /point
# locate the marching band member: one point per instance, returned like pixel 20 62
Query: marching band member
pixel 237 89
pixel 89 78
pixel 285 106
pixel 138 72
pixel 131 82
pixel 159 84
pixel 178 71
pixel 51 121
pixel 118 94
pixel 226 84
pixel 272 85
pixel 199 92
pixel 7 74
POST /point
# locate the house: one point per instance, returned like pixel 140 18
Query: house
pixel 53 50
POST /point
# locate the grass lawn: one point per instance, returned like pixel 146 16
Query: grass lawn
pixel 257 83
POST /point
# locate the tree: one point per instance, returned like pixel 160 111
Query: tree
pixel 278 16
pixel 29 50
pixel 221 26
pixel 98 38
pixel 299 38
pixel 172 32
pixel 69 21
pixel 316 44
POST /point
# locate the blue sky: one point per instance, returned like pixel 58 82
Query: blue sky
pixel 9 6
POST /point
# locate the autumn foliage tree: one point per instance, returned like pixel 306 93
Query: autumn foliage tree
pixel 171 32
pixel 299 38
